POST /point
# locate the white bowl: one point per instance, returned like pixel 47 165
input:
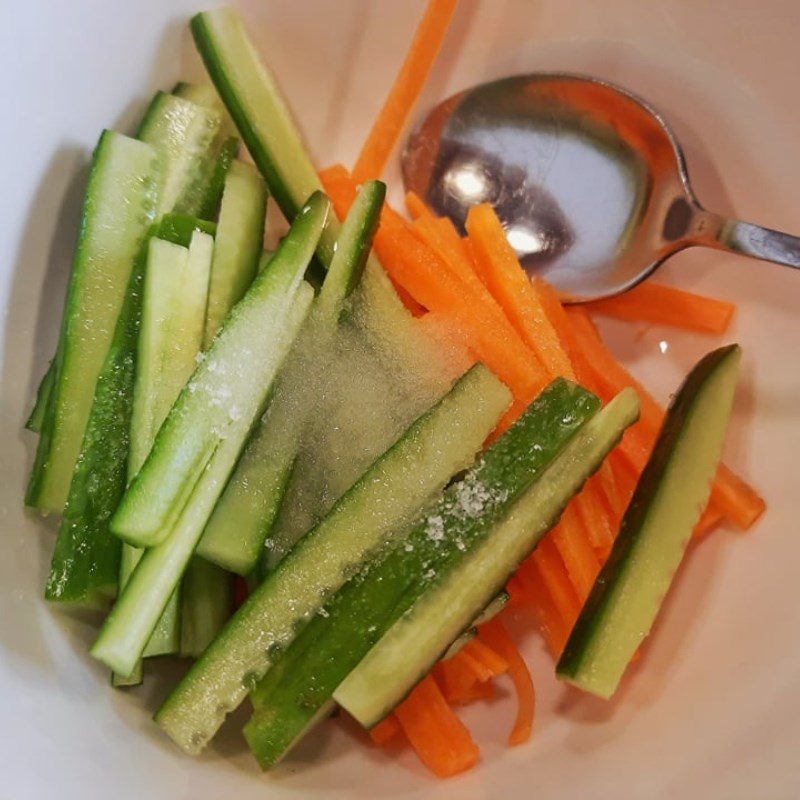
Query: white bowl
pixel 713 710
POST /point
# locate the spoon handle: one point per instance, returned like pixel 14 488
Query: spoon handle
pixel 747 239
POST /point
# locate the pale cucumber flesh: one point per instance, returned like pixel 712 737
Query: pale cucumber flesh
pixel 414 643
pixel 440 443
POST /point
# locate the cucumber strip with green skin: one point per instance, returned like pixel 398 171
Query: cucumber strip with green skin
pixel 186 138
pixel 256 105
pixel 416 641
pixel 233 371
pixel 85 563
pixel 239 368
pixel 228 151
pixel 43 395
pixel 227 145
pixel 247 508
pixel 170 334
pixel 205 95
pixel 173 316
pixel 118 208
pixel 371 603
pixel 206 605
pixel 439 444
pixel 238 243
pixel 158 573
pixel 671 493
pixel 179 228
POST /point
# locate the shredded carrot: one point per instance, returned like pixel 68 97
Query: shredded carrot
pixel 579 558
pixel 416 309
pixel 451 250
pixel 624 476
pixel 456 676
pixel 387 731
pixel 420 270
pixel 480 690
pixel 499 269
pixel 709 520
pixel 494 634
pixel 415 206
pixel 526 589
pixel 595 518
pixel 491 662
pixel 546 563
pixel 406 89
pixel 441 740
pixel 666 305
pixel 738 501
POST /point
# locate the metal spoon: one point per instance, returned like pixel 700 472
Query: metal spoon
pixel 588 180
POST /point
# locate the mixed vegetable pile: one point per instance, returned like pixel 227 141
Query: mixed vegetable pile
pixel 325 472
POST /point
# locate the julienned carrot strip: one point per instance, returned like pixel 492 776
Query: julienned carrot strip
pixel 416 309
pixel 493 663
pixel 417 268
pixel 456 676
pixel 406 89
pixel 436 237
pixel 738 501
pixel 624 476
pixel 608 373
pixel 498 267
pixel 631 444
pixel 557 315
pixel 494 634
pixel 666 305
pixel 529 591
pixel 415 206
pixel 545 562
pixel 709 520
pixel 579 558
pixel 595 518
pixel 480 690
pixel 386 731
pixel 440 739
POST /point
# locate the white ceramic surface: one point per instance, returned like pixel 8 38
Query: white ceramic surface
pixel 713 710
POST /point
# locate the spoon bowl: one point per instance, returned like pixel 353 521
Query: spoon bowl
pixel 588 180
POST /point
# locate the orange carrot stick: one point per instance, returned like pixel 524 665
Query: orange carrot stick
pixel 456 676
pixel 437 237
pixel 386 731
pixel 579 558
pixel 738 501
pixel 529 590
pixel 546 563
pixel 709 520
pixel 432 283
pixel 666 305
pixel 492 662
pixel 480 690
pixel 440 739
pixel 494 634
pixel 406 89
pixel 594 517
pixel 415 206
pixel 498 267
